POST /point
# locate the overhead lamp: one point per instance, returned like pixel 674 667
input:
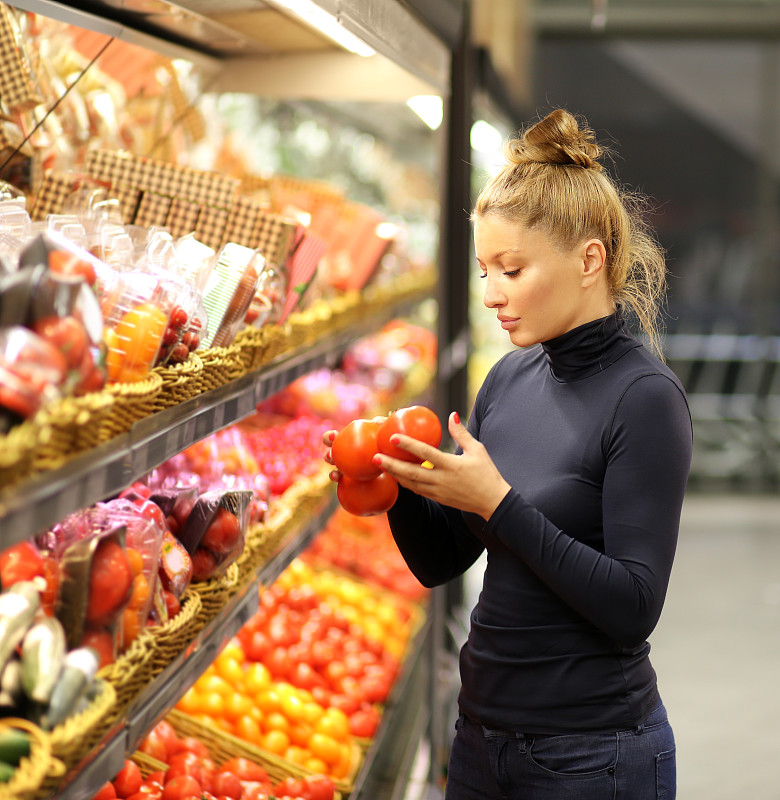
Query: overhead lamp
pixel 485 138
pixel 316 17
pixel 428 108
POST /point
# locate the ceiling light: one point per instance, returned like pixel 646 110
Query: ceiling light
pixel 428 108
pixel 315 16
pixel 485 138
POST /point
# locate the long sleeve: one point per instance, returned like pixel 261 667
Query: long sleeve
pixel 432 538
pixel 622 589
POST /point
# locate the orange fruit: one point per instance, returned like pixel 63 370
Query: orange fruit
pixel 276 741
pixel 276 721
pixel 325 747
pixel 135 559
pixel 248 729
pixel 257 679
pixel 300 734
pixel 140 595
pixel 334 723
pixel 237 705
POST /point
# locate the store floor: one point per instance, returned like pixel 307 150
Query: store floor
pixel 717 649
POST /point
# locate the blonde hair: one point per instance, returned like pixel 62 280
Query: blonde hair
pixel 553 181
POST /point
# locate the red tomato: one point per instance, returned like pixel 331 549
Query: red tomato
pixel 203 564
pixel 228 784
pixel 129 779
pixel 105 792
pixel 67 334
pixel 172 603
pixel 110 583
pixel 418 422
pixel 320 787
pixel 363 723
pixel 164 731
pixel 367 498
pixel 354 447
pixel 223 533
pixel 180 787
pixel 290 787
pixel 20 562
pixel 68 264
pixel 154 746
pixel 245 769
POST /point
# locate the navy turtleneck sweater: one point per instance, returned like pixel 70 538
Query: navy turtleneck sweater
pixel 594 436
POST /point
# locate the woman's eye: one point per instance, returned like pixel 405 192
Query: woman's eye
pixel 510 273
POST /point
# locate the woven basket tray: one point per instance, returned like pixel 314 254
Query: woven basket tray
pixel 258 548
pixel 28 779
pixel 223 746
pixel 215 593
pixel 147 764
pixel 132 402
pixel 129 674
pixel 75 738
pixel 220 366
pixel 180 382
pixel 17 451
pixel 169 640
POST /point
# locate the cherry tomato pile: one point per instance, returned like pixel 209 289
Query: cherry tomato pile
pixel 364 490
pixel 364 546
pixel 192 772
pixel 284 452
pixel 241 698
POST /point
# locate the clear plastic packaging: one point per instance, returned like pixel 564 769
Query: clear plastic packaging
pixel 32 373
pixel 229 292
pixel 136 317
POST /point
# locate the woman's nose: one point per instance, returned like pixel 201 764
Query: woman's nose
pixel 493 297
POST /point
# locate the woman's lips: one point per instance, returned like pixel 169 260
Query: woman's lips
pixel 507 323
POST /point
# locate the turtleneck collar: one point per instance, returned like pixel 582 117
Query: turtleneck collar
pixel 589 348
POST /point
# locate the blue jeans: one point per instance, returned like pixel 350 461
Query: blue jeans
pixel 635 764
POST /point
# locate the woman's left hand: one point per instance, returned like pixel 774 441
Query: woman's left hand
pixel 445 481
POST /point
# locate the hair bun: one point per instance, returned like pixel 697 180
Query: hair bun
pixel 556 139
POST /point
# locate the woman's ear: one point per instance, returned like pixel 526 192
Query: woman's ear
pixel 594 258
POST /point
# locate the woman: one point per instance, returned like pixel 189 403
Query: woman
pixel 571 475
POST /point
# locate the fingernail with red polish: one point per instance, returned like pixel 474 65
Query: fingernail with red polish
pixel 394 440
pixel 377 460
pixel 456 417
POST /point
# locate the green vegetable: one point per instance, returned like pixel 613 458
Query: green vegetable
pixel 6 772
pixel 14 746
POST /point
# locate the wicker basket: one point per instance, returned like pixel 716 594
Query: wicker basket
pixel 129 674
pixel 75 738
pixel 180 382
pixel 132 402
pixel 147 764
pixel 220 366
pixel 223 746
pixel 258 549
pixel 29 777
pixel 215 593
pixel 17 451
pixel 169 640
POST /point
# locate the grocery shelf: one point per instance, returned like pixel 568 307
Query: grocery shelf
pixel 162 694
pixel 107 469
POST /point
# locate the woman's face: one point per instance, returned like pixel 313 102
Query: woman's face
pixel 537 291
